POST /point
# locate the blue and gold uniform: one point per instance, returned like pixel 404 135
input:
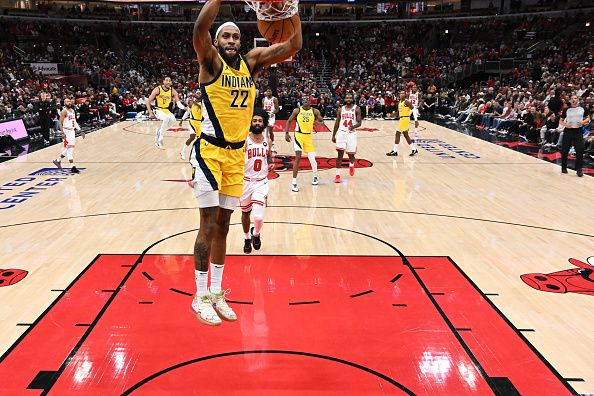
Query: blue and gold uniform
pixel 196 118
pixel 404 115
pixel 303 132
pixel 163 99
pixel 227 108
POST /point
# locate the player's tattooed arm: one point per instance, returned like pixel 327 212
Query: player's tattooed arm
pixel 205 50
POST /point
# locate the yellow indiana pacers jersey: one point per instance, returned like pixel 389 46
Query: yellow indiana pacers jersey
pixel 163 98
pixel 228 102
pixel 196 118
pixel 403 110
pixel 305 120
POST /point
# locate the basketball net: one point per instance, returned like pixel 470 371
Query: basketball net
pixel 274 11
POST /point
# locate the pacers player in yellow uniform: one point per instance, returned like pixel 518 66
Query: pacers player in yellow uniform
pixel 227 81
pixel 305 118
pixel 404 111
pixel 163 95
pixel 194 113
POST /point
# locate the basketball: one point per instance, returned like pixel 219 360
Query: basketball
pixel 278 31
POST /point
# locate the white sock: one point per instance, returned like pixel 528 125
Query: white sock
pixel 313 163
pixel 395 147
pixel 351 164
pixel 216 277
pixel 412 146
pixel 337 171
pixel 294 180
pixel 247 235
pixel 201 282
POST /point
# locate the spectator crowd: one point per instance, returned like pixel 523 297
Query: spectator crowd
pixel 110 68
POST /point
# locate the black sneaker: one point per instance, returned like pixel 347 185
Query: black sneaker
pixel 580 173
pixel 392 154
pixel 247 246
pixel 563 170
pixel 413 153
pixel 74 170
pixel 256 240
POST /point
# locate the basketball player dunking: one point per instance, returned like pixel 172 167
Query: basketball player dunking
pixel 258 162
pixel 227 81
pixel 404 110
pixel 68 127
pixel 194 113
pixel 270 105
pixel 348 119
pixel 162 95
pixel 305 118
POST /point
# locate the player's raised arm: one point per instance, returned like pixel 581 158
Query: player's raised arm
pixel 260 57
pixel 206 52
pixel 291 118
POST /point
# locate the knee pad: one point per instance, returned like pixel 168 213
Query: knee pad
pixel 258 211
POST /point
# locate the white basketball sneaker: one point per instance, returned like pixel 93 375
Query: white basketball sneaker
pixel 221 307
pixel 202 309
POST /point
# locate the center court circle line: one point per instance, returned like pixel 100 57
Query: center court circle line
pixel 379 210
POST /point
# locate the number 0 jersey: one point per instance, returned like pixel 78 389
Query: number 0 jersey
pixel 228 103
pixel 256 159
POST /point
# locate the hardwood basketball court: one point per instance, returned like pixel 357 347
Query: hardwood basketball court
pixel 419 275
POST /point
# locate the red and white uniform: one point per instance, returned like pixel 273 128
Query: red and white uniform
pixel 346 140
pixel 268 105
pixel 414 99
pixel 69 125
pixel 255 179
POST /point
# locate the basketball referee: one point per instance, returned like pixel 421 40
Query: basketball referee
pixel 573 120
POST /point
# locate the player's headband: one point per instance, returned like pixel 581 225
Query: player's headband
pixel 224 25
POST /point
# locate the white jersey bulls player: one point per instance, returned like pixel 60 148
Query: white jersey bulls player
pixel 68 127
pixel 258 163
pixel 348 118
pixel 270 104
pixel 414 97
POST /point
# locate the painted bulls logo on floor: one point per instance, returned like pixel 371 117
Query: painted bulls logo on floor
pixel 284 163
pixel 9 277
pixel 576 280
